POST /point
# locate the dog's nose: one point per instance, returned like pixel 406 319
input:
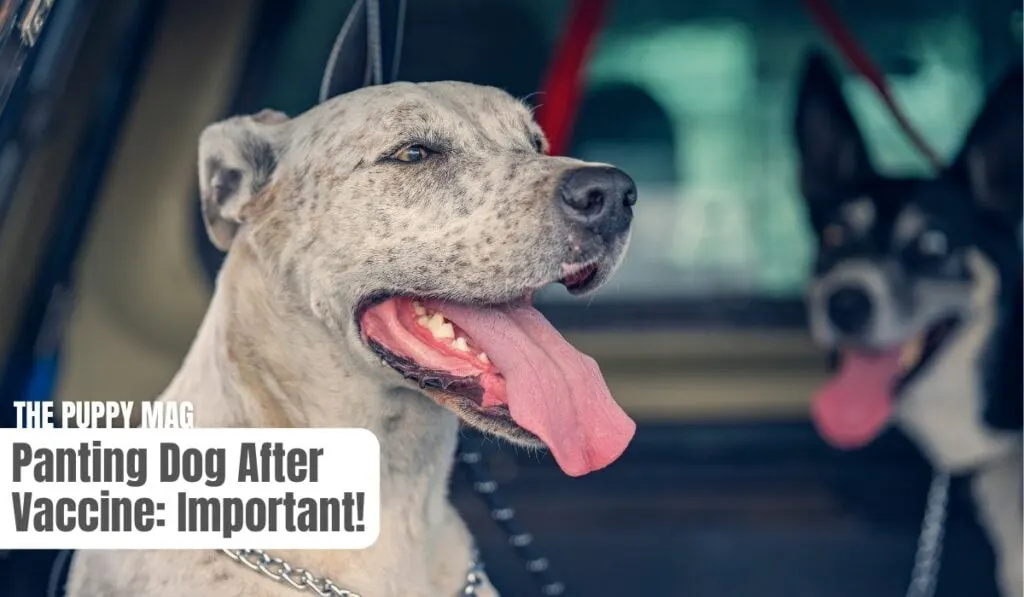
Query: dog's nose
pixel 599 197
pixel 849 308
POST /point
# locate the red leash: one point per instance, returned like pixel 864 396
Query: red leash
pixel 563 89
pixel 859 60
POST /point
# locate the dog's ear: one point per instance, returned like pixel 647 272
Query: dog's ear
pixel 831 149
pixel 990 161
pixel 237 158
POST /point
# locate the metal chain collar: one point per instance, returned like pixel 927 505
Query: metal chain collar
pixel 301 579
pixel 924 578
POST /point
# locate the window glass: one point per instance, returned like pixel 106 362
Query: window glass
pixel 698 110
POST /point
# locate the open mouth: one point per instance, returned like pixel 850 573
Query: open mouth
pixel 505 370
pixel 855 405
pixel 429 349
pixel 916 353
pixel 579 278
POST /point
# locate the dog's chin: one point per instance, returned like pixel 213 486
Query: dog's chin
pixel 495 420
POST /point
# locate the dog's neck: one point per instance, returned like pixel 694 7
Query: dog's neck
pixel 261 361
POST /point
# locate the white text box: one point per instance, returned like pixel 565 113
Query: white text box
pixel 189 488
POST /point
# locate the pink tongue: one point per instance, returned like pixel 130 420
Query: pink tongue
pixel 553 390
pixel 854 406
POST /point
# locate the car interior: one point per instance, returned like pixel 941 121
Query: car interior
pixel 106 268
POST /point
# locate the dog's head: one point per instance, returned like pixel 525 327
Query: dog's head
pixel 903 264
pixel 415 222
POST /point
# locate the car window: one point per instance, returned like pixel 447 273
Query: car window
pixel 695 101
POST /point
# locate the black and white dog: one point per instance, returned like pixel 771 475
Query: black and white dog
pixel 917 286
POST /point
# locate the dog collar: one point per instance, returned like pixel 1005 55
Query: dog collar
pixel 301 579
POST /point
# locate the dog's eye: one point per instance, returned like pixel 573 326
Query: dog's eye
pixel 412 153
pixel 933 243
pixel 833 236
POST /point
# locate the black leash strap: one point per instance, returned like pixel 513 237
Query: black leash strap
pixel 357 60
pixel 471 458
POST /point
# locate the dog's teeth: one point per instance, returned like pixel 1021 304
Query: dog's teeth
pixel 438 326
pixel 483 357
pixel 383 363
pixel 419 308
pixel 460 344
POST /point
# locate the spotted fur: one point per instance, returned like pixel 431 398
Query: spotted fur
pixel 316 217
